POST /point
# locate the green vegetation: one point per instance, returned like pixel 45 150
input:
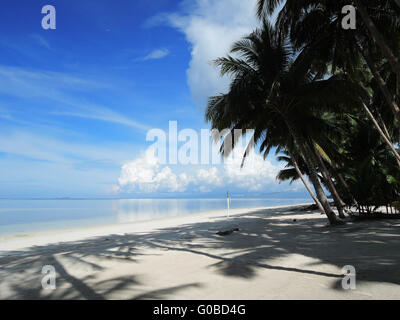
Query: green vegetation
pixel 326 98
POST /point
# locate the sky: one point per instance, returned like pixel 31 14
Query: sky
pixel 77 102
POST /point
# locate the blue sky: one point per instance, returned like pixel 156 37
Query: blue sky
pixel 77 102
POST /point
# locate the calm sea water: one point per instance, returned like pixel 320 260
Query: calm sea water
pixel 23 216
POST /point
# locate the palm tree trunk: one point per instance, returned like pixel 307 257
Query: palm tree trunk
pixel 308 158
pixel 296 166
pixel 331 187
pixel 389 143
pixel 386 132
pixel 394 62
pixel 384 128
pixel 382 85
pixel 319 190
pixel 343 181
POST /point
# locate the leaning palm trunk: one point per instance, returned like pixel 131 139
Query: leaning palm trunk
pixel 296 166
pixel 343 182
pixel 383 135
pixel 383 87
pixel 394 62
pixel 386 131
pixel 313 175
pixel 331 187
pixel 318 188
pixel 388 96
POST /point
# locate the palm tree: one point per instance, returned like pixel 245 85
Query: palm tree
pixel 330 150
pixel 294 174
pixel 369 166
pixel 270 87
pixel 318 23
pixel 294 10
pixel 329 183
pixel 378 37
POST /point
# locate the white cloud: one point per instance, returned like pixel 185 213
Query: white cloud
pixel 210 176
pixel 211 27
pixel 145 174
pixel 156 54
pixel 254 175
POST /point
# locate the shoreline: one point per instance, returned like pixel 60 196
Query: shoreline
pixel 22 241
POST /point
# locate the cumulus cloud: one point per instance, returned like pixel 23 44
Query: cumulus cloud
pixel 209 176
pixel 211 27
pixel 147 175
pixel 255 174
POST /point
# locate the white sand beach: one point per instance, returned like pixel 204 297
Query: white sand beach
pixel 278 253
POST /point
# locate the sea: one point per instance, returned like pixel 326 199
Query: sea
pixel 35 215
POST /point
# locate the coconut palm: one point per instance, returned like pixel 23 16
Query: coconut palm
pixel 318 23
pixel 370 169
pixel 270 87
pixel 314 128
pixel 377 36
pixel 295 11
pixel 369 166
pixel 294 171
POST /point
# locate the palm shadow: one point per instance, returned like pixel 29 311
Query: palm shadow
pixel 371 247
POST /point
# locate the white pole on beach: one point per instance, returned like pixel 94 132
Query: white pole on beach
pixel 228 200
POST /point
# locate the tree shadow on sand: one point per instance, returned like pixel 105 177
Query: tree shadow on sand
pixel 371 247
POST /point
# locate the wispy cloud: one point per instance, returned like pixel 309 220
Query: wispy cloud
pixel 41 166
pixel 61 88
pixel 4 114
pixel 157 20
pixel 26 80
pixel 41 41
pixel 96 112
pixel 156 54
pixel 41 147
